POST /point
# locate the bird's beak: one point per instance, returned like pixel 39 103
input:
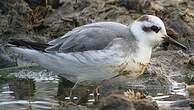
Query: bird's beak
pixel 174 42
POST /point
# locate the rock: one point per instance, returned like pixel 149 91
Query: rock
pixel 191 63
pixel 14 18
pixel 34 3
pixel 173 3
pixel 4 24
pixel 54 3
pixel 138 5
pixel 123 102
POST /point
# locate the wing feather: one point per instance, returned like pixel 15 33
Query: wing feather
pixel 95 36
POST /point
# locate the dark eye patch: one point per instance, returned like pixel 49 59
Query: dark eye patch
pixel 154 28
pixel 146 29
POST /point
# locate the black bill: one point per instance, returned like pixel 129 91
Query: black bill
pixel 174 42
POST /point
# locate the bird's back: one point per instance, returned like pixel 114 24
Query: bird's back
pixel 94 36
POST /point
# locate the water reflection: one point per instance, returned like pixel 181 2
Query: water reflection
pixel 45 91
pixel 23 89
pixel 20 93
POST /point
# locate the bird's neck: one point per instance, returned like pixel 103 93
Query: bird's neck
pixel 144 49
pixel 143 53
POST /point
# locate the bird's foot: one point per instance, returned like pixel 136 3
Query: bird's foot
pixel 131 94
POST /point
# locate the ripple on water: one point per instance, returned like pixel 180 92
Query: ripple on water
pixel 43 75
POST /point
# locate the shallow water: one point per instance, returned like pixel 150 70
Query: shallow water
pixel 43 90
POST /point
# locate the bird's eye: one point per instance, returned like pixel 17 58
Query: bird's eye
pixel 155 28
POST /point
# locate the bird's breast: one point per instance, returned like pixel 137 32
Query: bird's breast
pixel 130 68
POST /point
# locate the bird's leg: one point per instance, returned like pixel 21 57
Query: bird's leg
pixel 143 69
pixel 97 89
pixel 71 91
pixel 96 93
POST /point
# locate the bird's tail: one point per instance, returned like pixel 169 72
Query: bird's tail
pixel 36 52
pixel 30 50
pixel 28 44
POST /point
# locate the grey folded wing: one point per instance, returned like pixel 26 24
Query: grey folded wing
pixel 89 37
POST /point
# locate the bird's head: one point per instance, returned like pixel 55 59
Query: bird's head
pixel 150 30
